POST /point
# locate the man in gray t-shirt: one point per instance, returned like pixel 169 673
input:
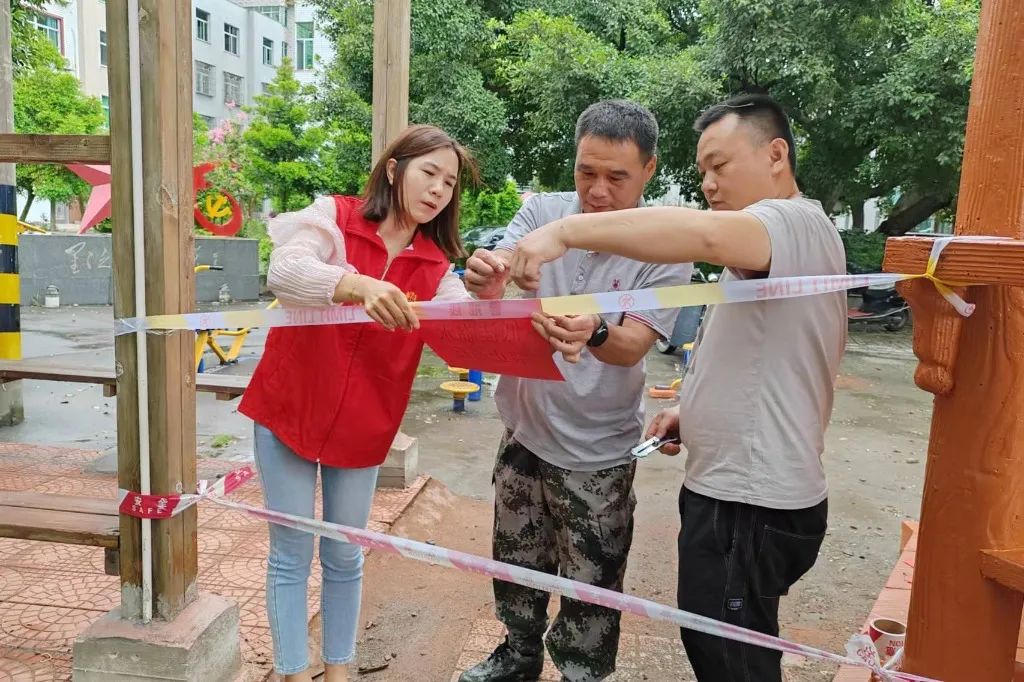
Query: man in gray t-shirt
pixel 757 397
pixel 564 474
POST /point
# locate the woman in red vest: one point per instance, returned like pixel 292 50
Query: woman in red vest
pixel 332 397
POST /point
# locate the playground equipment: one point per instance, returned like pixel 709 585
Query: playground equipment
pixel 662 392
pixel 473 376
pixel 467 386
pixel 459 390
pixel 208 337
pixel 25 227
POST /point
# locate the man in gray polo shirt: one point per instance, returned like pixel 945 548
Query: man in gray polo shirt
pixel 564 475
pixel 757 397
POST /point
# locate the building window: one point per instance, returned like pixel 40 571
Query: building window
pixel 202 26
pixel 284 50
pixel 268 52
pixel 265 87
pixel 304 45
pixel 276 12
pixel 103 48
pixel 52 28
pixel 210 121
pixel 105 100
pixel 231 39
pixel 232 89
pixel 204 79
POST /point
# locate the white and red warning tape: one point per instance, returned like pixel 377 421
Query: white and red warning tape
pixel 735 291
pixel 859 650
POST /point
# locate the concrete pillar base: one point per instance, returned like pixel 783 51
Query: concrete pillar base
pixel 399 469
pixel 12 410
pixel 200 645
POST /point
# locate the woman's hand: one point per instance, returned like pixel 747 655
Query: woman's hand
pixel 383 301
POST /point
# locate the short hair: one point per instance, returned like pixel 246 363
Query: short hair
pixel 620 120
pixel 761 111
pixel 381 196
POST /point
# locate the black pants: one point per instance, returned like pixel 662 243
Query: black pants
pixel 735 562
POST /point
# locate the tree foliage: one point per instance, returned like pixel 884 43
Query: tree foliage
pixel 47 100
pixel 29 48
pixel 489 207
pixel 877 89
pixel 285 148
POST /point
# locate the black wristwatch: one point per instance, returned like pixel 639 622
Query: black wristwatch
pixel 600 334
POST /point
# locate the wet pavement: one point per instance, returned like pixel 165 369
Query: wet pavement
pixel 875 456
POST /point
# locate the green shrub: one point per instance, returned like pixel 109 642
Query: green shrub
pixel 266 246
pixel 864 250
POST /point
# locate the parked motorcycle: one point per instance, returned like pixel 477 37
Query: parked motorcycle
pixel 880 303
pixel 688 321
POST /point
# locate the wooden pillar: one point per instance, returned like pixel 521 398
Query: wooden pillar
pixel 165 138
pixel 11 406
pixel 963 626
pixel 391 41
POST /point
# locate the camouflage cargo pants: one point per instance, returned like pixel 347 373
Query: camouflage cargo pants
pixel 578 524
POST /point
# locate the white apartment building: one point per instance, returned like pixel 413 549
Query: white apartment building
pixel 235 55
pixel 237 46
pixel 310 48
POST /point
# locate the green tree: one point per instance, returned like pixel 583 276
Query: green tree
pixel 877 89
pixel 48 101
pixel 447 88
pixel 918 131
pixel 345 159
pixel 224 145
pixel 281 142
pixel 29 48
pixel 489 207
pixel 550 70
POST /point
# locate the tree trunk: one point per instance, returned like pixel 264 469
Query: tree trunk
pixel 830 201
pixel 911 211
pixel 28 205
pixel 857 209
pixel 53 215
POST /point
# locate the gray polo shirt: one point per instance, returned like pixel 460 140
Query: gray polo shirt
pixel 591 420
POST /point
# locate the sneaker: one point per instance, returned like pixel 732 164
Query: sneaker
pixel 505 665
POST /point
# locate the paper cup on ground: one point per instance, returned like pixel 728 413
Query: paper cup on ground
pixel 889 637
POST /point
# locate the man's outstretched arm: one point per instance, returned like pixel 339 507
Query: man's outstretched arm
pixel 668 234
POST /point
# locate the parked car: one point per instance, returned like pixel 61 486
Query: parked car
pixel 483 237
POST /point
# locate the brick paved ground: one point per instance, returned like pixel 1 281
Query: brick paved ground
pixel 49 592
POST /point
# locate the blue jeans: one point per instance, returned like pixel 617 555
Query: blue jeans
pixel 289 484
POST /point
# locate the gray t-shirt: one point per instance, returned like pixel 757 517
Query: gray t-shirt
pixel 758 393
pixel 591 420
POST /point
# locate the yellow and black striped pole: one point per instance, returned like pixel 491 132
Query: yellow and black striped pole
pixel 11 409
pixel 10 291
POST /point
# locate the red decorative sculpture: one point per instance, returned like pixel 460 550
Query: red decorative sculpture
pixel 98 208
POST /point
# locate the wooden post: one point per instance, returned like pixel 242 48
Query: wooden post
pixel 391 41
pixel 30 148
pixel 11 406
pixel 963 626
pixel 166 144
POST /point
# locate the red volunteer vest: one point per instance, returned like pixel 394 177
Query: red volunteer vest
pixel 336 394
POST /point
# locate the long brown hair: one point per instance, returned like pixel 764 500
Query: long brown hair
pixel 382 196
